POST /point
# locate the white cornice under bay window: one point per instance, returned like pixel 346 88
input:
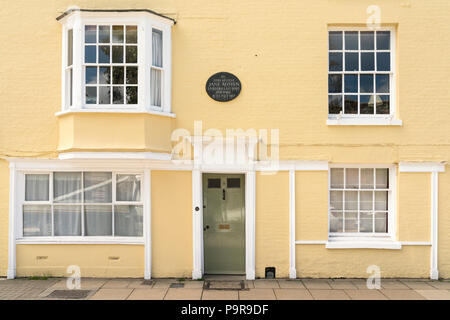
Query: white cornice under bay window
pixel 74 91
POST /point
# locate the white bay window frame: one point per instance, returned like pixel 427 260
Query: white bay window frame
pixel 146 22
pixel 367 240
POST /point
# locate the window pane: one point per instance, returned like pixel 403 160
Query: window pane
pixel 105 75
pixel 91 95
pixel 36 187
pixel 383 104
pixel 104 34
pixel 366 222
pixel 351 200
pixel 67 220
pixel 337 178
pixel 366 105
pixel 90 34
pixel 104 95
pixel 336 199
pixel 351 61
pixel 132 75
pixel 128 221
pixel 98 220
pixel 383 40
pixel 90 54
pixel 351 40
pixel 351 83
pixel 118 97
pixel 367 40
pixel 367 178
pixel 366 200
pixel 335 40
pixel 67 187
pixel 104 54
pixel 91 75
pixel 352 178
pixel 117 34
pixel 381 222
pixel 367 61
pixel 157 48
pixel 381 200
pixel 155 87
pixel 335 60
pixel 117 54
pixel 351 104
pixel 337 221
pixel 132 93
pixel 382 178
pixel 351 221
pixel 118 75
pixel 131 34
pixel 334 104
pixel 128 187
pixel 37 221
pixel 98 187
pixel 334 83
pixel 131 54
pixel 383 61
pixel 366 83
pixel 70 47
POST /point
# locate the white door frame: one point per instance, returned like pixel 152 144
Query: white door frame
pixel 197 201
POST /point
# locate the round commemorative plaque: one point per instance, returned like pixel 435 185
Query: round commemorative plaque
pixel 223 87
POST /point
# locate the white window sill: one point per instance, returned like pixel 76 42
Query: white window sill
pixel 364 244
pixel 363 122
pixel 81 240
pixel 122 110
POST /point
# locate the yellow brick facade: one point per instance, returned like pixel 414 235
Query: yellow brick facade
pixel 279 51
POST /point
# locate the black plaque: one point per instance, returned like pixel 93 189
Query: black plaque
pixel 223 87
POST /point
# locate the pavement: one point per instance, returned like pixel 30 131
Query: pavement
pixel 261 289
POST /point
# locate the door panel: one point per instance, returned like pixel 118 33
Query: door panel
pixel 224 223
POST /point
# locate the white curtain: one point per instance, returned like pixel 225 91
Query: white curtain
pixel 128 221
pixel 67 187
pixel 37 221
pixel 67 220
pixel 98 220
pixel 36 187
pixel 157 61
pixel 97 187
pixel 155 87
pixel 128 187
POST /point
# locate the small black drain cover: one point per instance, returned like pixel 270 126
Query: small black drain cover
pixel 148 282
pixel 224 285
pixel 177 285
pixel 69 294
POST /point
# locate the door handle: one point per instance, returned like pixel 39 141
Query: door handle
pixel 223 194
pixel 205 228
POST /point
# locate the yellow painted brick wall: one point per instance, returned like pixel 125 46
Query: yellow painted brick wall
pixel 123 261
pixel 272 223
pixel 171 224
pixel 4 216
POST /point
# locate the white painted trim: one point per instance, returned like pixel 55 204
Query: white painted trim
pixel 415 243
pixel 434 267
pixel 311 242
pixel 11 273
pixel 395 245
pixel 292 261
pixel 250 197
pixel 422 166
pixel 297 165
pixel 114 156
pixel 147 220
pixel 197 224
pixel 363 122
pixel 119 110
pixel 80 240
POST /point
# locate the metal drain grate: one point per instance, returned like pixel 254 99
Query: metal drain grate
pixel 177 285
pixel 69 294
pixel 223 285
pixel 148 282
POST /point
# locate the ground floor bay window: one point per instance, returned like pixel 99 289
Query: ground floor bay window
pixel 82 204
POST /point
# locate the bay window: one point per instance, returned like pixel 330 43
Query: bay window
pixel 116 61
pixel 82 204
